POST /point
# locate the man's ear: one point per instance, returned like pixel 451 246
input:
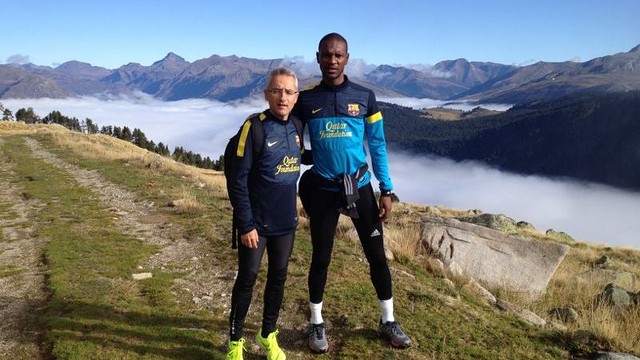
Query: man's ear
pixel 318 57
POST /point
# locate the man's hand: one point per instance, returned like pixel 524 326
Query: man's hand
pixel 385 207
pixel 250 239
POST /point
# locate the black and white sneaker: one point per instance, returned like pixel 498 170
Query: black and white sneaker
pixel 397 338
pixel 318 339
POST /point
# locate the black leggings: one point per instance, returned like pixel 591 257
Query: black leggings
pixel 278 252
pixel 321 206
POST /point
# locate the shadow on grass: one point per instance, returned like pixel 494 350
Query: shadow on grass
pixel 20 330
pixel 81 329
pixel 77 328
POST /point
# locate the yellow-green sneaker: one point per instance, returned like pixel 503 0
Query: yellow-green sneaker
pixel 270 345
pixel 235 350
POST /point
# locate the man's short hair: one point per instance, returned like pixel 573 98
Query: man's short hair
pixel 281 71
pixel 330 36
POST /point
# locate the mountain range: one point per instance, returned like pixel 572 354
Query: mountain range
pixel 227 78
pixel 569 119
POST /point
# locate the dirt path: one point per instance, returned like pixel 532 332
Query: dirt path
pixel 22 284
pixel 142 220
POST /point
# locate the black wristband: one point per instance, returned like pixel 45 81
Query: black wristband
pixel 386 193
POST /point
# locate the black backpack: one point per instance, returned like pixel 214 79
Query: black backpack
pixel 257 139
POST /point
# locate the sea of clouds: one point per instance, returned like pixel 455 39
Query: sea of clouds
pixel 588 212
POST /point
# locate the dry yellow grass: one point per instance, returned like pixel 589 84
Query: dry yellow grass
pixel 573 285
pixel 446 114
pixel 105 147
pixel 404 242
pixel 188 203
pixel 19 127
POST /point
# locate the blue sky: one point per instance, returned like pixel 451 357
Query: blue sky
pixel 403 32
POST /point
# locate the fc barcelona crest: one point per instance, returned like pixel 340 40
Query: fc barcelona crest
pixel 353 109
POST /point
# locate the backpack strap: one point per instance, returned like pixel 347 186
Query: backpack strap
pixel 257 134
pixel 257 139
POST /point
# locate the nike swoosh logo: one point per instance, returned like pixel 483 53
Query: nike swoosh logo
pixel 315 111
pixel 270 144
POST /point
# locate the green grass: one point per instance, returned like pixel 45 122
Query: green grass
pixel 96 312
pixel 9 270
pixel 6 214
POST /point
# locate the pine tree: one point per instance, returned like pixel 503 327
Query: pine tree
pixel 126 134
pixel 27 115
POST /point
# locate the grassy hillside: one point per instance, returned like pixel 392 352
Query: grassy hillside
pixel 89 212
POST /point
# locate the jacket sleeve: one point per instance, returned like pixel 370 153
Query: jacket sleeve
pixel 239 194
pixel 377 144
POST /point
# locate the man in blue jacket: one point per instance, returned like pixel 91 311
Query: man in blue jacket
pixel 339 115
pixel 263 195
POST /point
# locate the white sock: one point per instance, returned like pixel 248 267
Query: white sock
pixel 316 313
pixel 386 309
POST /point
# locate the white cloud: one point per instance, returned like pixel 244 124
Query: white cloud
pixel 414 103
pixel 465 106
pixel 18 59
pixel 202 126
pixel 419 104
pixel 356 68
pixel 588 212
pixel 429 69
pixel 302 68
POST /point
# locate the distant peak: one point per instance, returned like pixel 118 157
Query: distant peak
pixel 635 49
pixel 171 58
pixel 74 63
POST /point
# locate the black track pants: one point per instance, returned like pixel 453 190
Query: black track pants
pixel 321 206
pixel 278 252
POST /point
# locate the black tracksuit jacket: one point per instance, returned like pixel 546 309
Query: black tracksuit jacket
pixel 263 187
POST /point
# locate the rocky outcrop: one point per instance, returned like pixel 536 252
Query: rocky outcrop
pixel 498 222
pixel 604 355
pixel 491 256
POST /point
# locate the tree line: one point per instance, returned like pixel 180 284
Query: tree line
pixel 135 136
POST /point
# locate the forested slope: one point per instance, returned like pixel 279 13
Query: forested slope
pixel 591 137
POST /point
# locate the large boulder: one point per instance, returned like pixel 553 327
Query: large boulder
pixel 491 256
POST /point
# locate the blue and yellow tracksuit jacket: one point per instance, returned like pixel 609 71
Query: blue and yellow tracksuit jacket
pixel 338 119
pixel 263 187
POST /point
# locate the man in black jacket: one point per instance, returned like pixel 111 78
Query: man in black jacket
pixel 263 195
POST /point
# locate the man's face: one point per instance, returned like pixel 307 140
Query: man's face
pixel 332 57
pixel 281 94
